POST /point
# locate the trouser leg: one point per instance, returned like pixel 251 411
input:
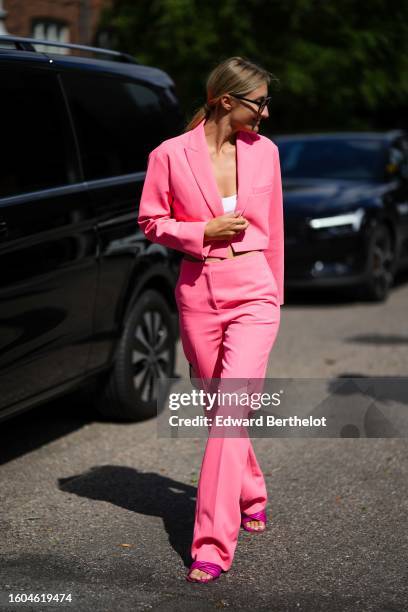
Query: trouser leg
pixel 229 470
pixel 227 342
pixel 254 494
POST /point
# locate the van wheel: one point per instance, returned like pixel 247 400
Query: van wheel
pixel 380 266
pixel 145 354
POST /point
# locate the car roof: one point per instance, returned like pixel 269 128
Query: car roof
pixel 155 76
pixel 127 68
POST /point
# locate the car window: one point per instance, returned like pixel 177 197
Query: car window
pixel 118 122
pixel 35 132
pixel 351 158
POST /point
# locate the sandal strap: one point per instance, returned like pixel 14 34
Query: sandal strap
pixel 206 566
pixel 257 516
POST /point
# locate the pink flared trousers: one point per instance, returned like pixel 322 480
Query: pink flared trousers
pixel 229 317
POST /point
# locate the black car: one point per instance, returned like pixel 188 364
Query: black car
pixel 346 209
pixel 84 296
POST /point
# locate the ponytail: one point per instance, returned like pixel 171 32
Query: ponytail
pixel 202 113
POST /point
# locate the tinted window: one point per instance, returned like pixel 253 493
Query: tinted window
pixel 118 123
pixel 355 159
pixel 35 137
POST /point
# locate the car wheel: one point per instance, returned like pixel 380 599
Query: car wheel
pixel 380 265
pixel 145 355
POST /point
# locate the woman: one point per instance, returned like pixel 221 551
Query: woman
pixel 230 285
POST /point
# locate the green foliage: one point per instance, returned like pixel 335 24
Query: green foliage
pixel 339 64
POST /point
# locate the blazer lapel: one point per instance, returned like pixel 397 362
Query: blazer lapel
pixel 198 157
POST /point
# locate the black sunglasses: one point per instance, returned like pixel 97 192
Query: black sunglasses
pixel 261 105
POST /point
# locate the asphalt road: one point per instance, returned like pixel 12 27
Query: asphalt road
pixel 104 511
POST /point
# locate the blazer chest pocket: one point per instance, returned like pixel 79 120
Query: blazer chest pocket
pixel 263 188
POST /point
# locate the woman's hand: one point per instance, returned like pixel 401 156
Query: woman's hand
pixel 225 226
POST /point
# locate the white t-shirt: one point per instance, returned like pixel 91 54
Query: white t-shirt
pixel 229 203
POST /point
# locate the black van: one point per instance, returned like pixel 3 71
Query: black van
pixel 84 296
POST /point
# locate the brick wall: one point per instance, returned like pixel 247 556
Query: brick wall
pixel 80 16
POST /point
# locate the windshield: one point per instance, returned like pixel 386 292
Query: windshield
pixel 352 158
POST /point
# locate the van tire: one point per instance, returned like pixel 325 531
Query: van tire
pixel 123 397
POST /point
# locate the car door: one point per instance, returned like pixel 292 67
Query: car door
pixel 47 239
pixel 118 120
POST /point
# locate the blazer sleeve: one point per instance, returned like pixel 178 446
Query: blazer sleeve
pixel 275 251
pixel 154 216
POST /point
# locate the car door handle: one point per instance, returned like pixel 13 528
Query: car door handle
pixel 3 229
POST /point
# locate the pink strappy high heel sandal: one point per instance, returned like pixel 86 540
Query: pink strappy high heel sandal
pixel 257 516
pixel 205 566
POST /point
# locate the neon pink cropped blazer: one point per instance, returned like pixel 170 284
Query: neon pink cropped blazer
pixel 180 195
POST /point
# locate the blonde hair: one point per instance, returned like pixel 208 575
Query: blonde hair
pixel 236 75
